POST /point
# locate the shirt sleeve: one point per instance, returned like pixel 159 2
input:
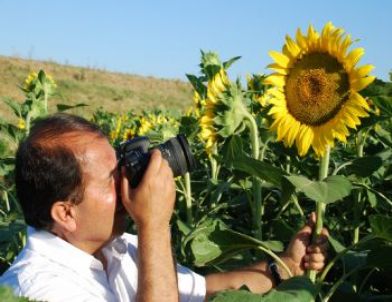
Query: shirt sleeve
pixel 58 290
pixel 191 286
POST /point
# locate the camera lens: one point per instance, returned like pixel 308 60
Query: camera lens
pixel 176 151
pixel 134 156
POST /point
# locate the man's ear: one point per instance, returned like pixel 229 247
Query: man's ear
pixel 64 216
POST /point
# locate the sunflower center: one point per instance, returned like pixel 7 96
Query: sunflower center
pixel 316 88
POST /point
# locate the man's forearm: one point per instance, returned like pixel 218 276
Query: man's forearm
pixel 157 279
pixel 256 277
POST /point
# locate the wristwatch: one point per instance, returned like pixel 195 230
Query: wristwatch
pixel 273 269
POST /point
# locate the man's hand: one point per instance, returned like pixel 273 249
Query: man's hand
pixel 151 203
pixel 301 254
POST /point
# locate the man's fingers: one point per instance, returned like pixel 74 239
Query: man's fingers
pixel 314 257
pixel 124 184
pixel 154 164
pixel 322 248
pixel 324 233
pixel 316 266
pixel 311 220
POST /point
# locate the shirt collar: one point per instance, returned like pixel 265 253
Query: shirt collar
pixel 60 251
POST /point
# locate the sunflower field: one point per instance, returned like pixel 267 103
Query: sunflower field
pixel 314 135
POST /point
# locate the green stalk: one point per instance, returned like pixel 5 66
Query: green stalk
pixel 320 206
pixel 46 101
pixel 341 280
pixel 188 198
pixel 28 119
pixel 214 168
pixel 214 164
pixel 341 254
pixel 358 196
pixel 257 194
pixel 6 200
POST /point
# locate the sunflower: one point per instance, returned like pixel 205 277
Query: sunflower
pixel 31 81
pixel 255 85
pixel 114 134
pixel 21 124
pixel 315 85
pixel 198 105
pixel 215 87
pixel 158 122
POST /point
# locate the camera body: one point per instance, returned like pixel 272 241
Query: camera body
pixel 134 155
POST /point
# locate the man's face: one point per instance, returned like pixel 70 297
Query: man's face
pixel 98 215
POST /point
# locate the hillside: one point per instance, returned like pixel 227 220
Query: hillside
pixel 115 92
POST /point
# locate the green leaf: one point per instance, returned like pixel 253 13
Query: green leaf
pixel 41 76
pixel 365 166
pixel 332 189
pixel 232 117
pixel 64 107
pixel 384 103
pixel 15 106
pixel 381 226
pixel 259 169
pixel 336 245
pixel 297 289
pixel 197 85
pixel 287 190
pixel 232 149
pixel 184 228
pixel 381 257
pixel 228 63
pixel 214 242
pixel 6 295
pixel 372 198
pixel 6 165
pixel 236 296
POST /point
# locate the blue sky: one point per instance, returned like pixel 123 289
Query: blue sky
pixel 164 38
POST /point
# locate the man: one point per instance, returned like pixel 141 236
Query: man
pixel 68 185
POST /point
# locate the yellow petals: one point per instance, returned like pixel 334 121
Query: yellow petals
pixel 21 124
pixel 304 139
pixel 292 47
pixel 362 83
pixel 353 57
pixel 293 132
pixel 305 108
pixel 357 99
pixel 278 69
pixel 364 70
pixel 301 41
pixel 279 58
pixel 276 80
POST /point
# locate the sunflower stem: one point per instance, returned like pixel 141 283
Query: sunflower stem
pixel 188 198
pixel 214 168
pixel 360 142
pixel 320 206
pixel 257 193
pixel 28 120
pixel 6 200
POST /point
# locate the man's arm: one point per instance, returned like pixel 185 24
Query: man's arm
pixel 299 256
pixel 151 205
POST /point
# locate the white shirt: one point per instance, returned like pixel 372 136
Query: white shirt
pixel 51 269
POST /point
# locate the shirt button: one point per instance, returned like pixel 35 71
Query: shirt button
pixel 120 246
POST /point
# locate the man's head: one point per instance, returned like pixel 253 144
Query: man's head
pixel 65 179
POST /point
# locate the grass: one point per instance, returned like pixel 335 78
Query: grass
pixel 115 92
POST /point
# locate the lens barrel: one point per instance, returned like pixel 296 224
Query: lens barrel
pixel 176 151
pixel 134 156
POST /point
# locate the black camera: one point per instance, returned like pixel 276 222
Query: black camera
pixel 134 156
